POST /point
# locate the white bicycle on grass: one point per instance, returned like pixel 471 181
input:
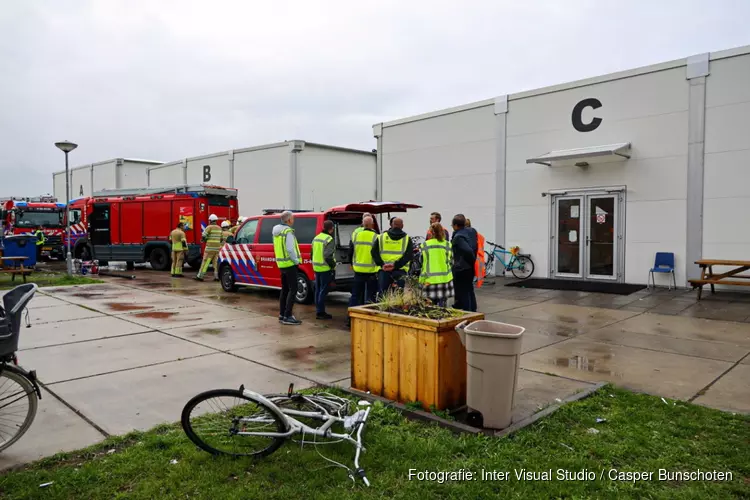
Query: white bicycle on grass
pixel 245 423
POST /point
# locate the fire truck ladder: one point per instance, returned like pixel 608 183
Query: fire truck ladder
pixel 181 189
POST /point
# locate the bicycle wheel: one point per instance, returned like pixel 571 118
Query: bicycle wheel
pixel 489 261
pixel 523 267
pixel 213 419
pixel 18 405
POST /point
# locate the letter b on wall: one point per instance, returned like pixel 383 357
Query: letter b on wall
pixel 577 115
pixel 206 173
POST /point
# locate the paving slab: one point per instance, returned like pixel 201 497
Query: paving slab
pixel 40 301
pixel 590 317
pixel 535 391
pixel 241 333
pixel 65 332
pixel 60 313
pixel 56 428
pixel 731 392
pixel 719 311
pixel 324 358
pixel 85 359
pixel 163 390
pixel 700 348
pixel 540 333
pixel 137 302
pixel 184 316
pixel 689 328
pixel 665 374
pixel 489 304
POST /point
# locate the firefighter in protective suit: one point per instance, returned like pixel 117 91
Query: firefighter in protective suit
pixel 214 238
pixel 179 245
pixel 40 241
pixel 226 230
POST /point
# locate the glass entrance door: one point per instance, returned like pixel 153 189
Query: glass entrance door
pixel 587 236
pixel 601 237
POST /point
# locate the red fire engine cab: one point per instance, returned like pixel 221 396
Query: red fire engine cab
pixel 25 215
pixel 133 225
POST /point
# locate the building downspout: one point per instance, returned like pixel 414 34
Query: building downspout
pixel 377 132
pixel 295 195
pixel 501 128
pixel 696 72
pixel 91 179
pixel 231 169
pixel 184 171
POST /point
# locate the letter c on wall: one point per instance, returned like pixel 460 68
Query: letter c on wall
pixel 578 115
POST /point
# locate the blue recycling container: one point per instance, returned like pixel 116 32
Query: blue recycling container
pixel 20 245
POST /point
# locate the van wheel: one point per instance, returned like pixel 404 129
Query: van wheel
pixel 159 259
pixel 304 289
pixel 227 279
pixel 83 252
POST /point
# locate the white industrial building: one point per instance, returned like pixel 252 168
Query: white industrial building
pixel 291 174
pixel 591 178
pixel 118 173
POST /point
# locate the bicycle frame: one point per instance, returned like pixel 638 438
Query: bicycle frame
pixel 294 426
pixel 499 253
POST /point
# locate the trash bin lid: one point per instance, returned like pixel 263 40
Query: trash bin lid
pixel 487 328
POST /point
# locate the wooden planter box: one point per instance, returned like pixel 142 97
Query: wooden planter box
pixel 409 359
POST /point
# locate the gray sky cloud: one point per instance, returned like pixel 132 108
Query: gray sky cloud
pixel 169 79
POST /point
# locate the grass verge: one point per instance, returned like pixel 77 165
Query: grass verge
pixel 45 278
pixel 641 433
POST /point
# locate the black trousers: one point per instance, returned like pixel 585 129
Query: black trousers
pixel 463 288
pixel 288 290
pixel 364 289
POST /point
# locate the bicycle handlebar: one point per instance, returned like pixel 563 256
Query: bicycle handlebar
pixel 496 245
pixel 359 470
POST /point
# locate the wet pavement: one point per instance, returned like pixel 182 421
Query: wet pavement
pixel 128 354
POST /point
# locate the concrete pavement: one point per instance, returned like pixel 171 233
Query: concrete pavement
pixel 128 355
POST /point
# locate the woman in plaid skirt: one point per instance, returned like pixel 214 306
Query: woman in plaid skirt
pixel 437 255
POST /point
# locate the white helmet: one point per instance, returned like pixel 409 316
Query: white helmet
pixel 225 224
pixel 240 219
pixel 212 218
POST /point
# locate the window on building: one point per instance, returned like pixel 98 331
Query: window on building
pixel 246 234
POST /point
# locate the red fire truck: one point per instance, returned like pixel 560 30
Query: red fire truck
pixel 133 225
pixel 25 215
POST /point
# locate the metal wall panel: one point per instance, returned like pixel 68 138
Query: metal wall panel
pixel 330 177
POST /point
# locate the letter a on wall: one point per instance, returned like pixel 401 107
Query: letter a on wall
pixel 80 191
pixel 206 173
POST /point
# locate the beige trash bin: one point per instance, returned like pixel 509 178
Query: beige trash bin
pixel 493 350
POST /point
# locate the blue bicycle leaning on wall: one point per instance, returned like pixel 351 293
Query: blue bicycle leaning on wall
pixel 520 265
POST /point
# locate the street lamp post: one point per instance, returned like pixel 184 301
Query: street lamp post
pixel 66 147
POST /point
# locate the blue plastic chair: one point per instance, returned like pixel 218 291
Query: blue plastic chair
pixel 663 263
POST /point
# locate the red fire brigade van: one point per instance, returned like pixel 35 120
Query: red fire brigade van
pixel 133 225
pixel 25 215
pixel 249 260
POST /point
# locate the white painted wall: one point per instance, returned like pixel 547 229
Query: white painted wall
pixel 219 170
pixel 58 186
pixel 726 203
pixel 648 110
pixel 169 174
pixel 262 179
pixel 80 184
pixel 132 174
pixel 330 177
pixel 105 175
pixel 447 165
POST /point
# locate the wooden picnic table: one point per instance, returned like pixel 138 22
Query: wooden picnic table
pixel 721 279
pixel 16 268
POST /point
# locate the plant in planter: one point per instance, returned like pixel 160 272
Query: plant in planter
pixel 406 349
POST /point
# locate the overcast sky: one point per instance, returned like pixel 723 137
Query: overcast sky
pixel 164 79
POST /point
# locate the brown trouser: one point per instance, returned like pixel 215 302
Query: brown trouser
pixel 209 257
pixel 177 259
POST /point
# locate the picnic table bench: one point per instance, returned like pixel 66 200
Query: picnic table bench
pixel 721 279
pixel 16 267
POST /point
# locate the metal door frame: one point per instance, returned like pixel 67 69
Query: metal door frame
pixel 585 194
pixel 555 225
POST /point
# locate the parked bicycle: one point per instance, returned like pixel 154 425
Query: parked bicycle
pixel 19 391
pixel 240 422
pixel 519 264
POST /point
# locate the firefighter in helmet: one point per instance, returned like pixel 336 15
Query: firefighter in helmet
pixel 179 245
pixel 234 228
pixel 226 230
pixel 214 239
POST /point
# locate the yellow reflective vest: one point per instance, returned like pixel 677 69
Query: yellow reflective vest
pixel 363 261
pixel 392 250
pixel 279 249
pixel 437 260
pixel 319 244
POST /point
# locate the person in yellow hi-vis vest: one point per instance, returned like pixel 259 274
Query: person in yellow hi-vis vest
pixel 179 245
pixel 214 239
pixel 437 261
pixel 365 286
pixel 288 259
pixel 324 264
